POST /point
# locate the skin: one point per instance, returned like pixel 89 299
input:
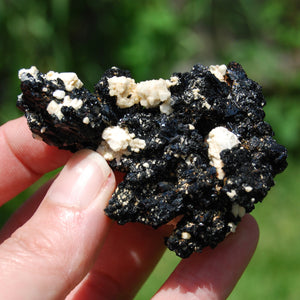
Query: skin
pixel 60 244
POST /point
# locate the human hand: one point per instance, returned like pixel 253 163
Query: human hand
pixel 60 244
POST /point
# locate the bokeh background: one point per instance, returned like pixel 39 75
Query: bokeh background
pixel 153 38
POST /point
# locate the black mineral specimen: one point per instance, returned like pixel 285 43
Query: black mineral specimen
pixel 195 146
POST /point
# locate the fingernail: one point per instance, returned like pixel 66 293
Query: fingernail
pixel 80 181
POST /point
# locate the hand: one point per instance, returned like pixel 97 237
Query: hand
pixel 60 244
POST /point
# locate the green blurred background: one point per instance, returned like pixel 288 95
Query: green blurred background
pixel 153 39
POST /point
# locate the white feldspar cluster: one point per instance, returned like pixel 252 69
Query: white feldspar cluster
pixel 54 108
pixel 70 79
pixel 218 71
pixel 219 139
pixel 116 141
pixel 149 93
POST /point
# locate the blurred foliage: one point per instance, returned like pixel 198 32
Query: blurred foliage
pixel 153 38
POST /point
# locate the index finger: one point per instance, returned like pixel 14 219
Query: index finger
pixel 23 159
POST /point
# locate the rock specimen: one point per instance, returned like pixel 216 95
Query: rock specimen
pixel 195 145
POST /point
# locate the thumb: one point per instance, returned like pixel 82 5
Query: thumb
pixel 51 253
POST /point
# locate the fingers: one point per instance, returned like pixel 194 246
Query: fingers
pixel 213 273
pixel 127 258
pixel 53 251
pixel 24 159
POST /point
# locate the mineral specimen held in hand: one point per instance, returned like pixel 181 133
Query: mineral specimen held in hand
pixel 195 145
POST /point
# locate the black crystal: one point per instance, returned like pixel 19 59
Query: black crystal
pixel 172 176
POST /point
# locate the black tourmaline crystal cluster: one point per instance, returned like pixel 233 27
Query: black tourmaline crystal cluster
pixel 194 146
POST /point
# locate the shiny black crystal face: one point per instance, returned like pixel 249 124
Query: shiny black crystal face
pixel 173 175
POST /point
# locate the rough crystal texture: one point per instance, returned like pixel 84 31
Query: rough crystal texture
pixel 170 173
